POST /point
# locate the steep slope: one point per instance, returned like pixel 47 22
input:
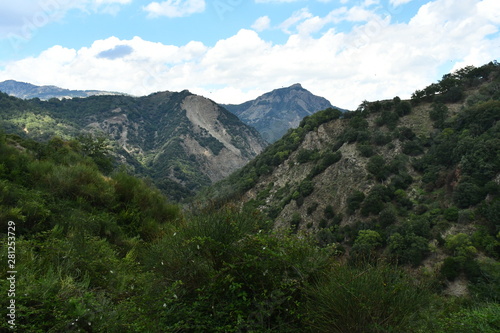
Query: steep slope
pixel 28 91
pixel 398 179
pixel 181 140
pixel 273 113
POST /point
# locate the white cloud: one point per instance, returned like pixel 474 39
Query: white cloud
pixel 262 23
pixel 375 60
pixel 175 8
pixel 396 3
pixel 294 19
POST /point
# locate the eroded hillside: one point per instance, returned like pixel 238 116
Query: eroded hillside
pixel 396 179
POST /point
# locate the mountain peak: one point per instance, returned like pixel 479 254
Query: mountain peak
pixel 273 113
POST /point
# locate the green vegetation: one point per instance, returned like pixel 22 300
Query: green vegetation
pixel 99 250
pixel 150 134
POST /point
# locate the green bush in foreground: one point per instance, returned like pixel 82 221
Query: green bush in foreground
pixel 372 298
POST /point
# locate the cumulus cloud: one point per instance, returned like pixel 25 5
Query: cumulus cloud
pixel 175 8
pixel 377 59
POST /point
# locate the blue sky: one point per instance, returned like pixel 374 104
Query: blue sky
pixel 234 50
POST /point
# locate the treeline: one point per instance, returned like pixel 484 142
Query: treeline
pixel 451 87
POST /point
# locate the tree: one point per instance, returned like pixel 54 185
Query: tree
pixel 365 245
pixel 377 167
pixel 438 114
pixel 467 194
pixel 97 148
pixel 354 201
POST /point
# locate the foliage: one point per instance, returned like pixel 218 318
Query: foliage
pixel 107 252
pixel 365 245
pixel 354 201
pixel 370 298
pixel 481 318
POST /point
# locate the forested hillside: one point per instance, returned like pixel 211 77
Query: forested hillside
pixel 415 182
pixel 385 219
pixel 180 140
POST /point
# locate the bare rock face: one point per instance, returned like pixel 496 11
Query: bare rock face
pixel 239 144
pixel 273 113
pixel 185 140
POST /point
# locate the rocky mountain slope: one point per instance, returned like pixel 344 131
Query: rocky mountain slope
pixel 27 91
pixel 399 179
pixel 183 141
pixel 273 113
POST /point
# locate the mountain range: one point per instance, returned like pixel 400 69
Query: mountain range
pixel 383 219
pixel 272 113
pixel 181 140
pixel 27 91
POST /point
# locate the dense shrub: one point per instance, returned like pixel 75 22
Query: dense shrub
pixel 364 299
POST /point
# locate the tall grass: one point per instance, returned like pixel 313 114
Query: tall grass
pixel 373 298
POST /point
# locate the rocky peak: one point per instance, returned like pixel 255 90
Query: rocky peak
pixel 273 113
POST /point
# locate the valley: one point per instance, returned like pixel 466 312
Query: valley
pixel 380 219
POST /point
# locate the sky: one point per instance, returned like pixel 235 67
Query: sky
pixel 232 51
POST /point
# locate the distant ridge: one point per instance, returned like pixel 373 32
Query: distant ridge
pixel 273 113
pixel 28 91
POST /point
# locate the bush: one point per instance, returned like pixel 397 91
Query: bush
pixel 460 245
pixel 329 213
pixel 306 155
pixel 354 201
pixel 438 114
pixel 451 268
pixel 364 299
pixel 408 248
pixel 365 245
pixel 467 194
pixel 377 167
pixel 483 318
pixel 365 150
pixel 412 148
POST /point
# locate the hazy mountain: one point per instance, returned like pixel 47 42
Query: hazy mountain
pixel 28 91
pixel 183 141
pixel 273 113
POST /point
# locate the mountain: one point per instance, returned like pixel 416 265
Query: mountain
pixel 181 140
pixel 275 112
pixel 385 219
pixel 28 91
pixel 410 182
